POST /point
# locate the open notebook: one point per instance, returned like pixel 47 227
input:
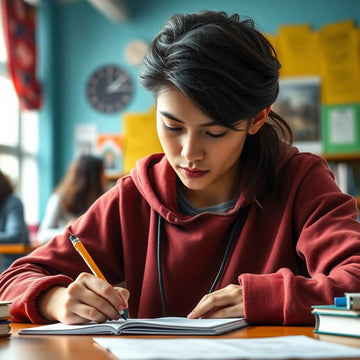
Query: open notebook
pixel 158 326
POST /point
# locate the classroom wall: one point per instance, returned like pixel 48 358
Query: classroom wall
pixel 75 39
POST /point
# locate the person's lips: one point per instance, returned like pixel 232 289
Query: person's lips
pixel 193 173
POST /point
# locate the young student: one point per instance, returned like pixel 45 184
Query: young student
pixel 13 229
pixel 231 221
pixel 82 184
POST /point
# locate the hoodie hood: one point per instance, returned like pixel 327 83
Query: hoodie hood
pixel 156 181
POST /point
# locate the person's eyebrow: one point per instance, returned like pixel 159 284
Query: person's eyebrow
pixel 172 117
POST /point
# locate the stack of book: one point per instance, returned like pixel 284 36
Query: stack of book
pixel 4 318
pixel 339 319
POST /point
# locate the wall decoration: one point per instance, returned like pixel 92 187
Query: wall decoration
pixel 109 147
pixel 341 128
pixel 340 63
pixel 84 139
pixel 299 104
pixel 109 89
pixel 19 20
pixel 140 137
pixel 135 51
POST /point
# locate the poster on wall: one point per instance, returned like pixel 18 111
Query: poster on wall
pixel 341 128
pixel 110 148
pixel 300 105
pixel 85 139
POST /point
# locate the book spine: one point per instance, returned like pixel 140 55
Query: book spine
pixel 317 322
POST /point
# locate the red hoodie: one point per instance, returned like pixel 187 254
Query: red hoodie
pixel 300 248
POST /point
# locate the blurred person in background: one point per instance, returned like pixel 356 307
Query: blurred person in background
pixel 82 184
pixel 13 229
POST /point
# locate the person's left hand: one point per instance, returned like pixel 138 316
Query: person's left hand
pixel 224 303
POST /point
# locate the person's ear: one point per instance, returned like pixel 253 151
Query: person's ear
pixel 258 121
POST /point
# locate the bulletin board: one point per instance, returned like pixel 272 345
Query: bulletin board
pixel 331 54
pixel 140 137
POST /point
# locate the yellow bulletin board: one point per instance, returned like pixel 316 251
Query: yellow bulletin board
pixel 340 63
pixel 332 53
pixel 140 137
pixel 298 49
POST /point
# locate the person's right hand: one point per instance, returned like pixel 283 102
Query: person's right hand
pixel 88 298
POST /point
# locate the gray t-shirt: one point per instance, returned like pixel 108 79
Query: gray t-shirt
pixel 187 208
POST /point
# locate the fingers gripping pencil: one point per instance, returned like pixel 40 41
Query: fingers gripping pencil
pixel 79 246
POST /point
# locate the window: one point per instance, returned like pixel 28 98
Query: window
pixel 2 42
pixel 18 141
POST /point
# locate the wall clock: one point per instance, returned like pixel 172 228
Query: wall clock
pixel 109 89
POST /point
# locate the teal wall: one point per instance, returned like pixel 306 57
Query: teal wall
pixel 74 39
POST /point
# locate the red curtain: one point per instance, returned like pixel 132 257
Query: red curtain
pixel 20 39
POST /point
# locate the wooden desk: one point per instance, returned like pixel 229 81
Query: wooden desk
pixel 16 248
pixel 82 347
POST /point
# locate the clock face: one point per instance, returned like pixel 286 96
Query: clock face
pixel 109 89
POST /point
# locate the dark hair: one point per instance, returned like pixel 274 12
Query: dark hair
pixel 6 187
pixel 82 184
pixel 229 70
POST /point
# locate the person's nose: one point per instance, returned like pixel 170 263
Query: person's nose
pixel 192 148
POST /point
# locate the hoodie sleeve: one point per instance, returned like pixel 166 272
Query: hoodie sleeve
pixel 57 263
pixel 326 237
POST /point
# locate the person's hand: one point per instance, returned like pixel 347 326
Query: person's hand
pixel 224 303
pixel 88 298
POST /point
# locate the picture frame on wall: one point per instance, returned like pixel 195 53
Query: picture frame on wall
pixel 341 128
pixel 110 148
pixel 85 135
pixel 299 103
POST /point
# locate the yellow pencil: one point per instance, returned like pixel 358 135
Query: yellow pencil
pixel 89 262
